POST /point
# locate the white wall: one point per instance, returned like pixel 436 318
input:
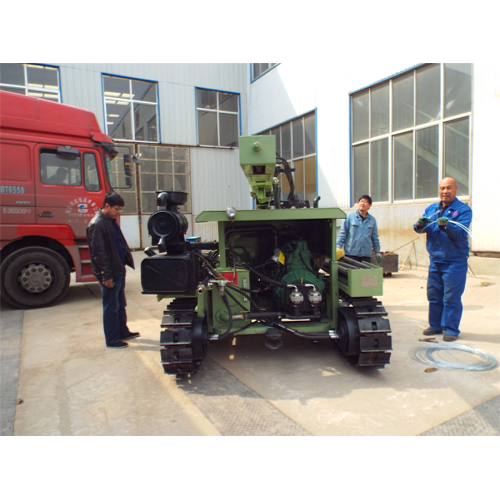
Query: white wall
pixel 485 156
pixel 289 91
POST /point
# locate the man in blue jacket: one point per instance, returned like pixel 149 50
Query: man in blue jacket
pixel 359 234
pixel 445 224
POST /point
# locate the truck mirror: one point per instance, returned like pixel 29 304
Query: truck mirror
pixel 127 164
pixel 128 181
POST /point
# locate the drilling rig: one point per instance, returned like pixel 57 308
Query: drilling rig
pixel 274 271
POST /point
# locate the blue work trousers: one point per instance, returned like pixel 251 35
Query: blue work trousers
pixel 445 286
pixel 114 315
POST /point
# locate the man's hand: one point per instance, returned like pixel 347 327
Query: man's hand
pixel 423 221
pixel 379 257
pixel 108 283
pixel 442 221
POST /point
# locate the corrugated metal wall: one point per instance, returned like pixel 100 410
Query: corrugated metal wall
pixel 217 181
pixel 81 85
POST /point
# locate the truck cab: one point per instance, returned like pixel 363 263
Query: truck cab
pixel 55 169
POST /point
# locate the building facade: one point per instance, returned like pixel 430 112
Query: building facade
pixel 388 130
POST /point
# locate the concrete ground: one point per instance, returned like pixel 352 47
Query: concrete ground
pixel 58 378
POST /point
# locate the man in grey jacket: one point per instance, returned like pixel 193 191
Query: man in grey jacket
pixel 359 233
pixel 109 253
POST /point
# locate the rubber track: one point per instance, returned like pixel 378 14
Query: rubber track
pixel 175 341
pixel 374 329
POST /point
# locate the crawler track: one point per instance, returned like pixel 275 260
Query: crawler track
pixel 184 341
pixel 364 332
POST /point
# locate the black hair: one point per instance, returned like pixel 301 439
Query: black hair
pixel 367 198
pixel 113 200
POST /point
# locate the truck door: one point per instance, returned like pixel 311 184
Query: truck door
pixel 69 186
pixel 17 190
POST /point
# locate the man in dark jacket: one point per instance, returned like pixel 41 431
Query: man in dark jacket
pixel 109 253
pixel 447 227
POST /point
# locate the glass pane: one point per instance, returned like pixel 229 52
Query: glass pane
pixel 129 197
pixel 310 134
pixel 14 90
pixel 165 182
pixel 119 120
pixel 148 182
pixel 298 138
pixel 428 90
pixel 427 166
pixel 310 175
pixel 90 171
pixel 46 78
pixel 180 167
pixel 145 123
pixel 299 178
pixel 456 153
pixel 403 166
pixel 164 153
pixel 148 166
pixel 360 115
pixel 181 183
pixel 228 130
pixel 256 69
pixel 60 170
pixel 181 154
pixel 12 74
pixel 228 102
pixel 402 94
pixel 379 170
pixel 206 99
pixel 116 87
pixel 360 167
pixel 165 167
pixel 207 128
pixel 148 203
pixel 286 142
pixel 148 152
pixel 458 88
pixel 143 91
pixel 48 96
pixel 380 110
pixel 277 134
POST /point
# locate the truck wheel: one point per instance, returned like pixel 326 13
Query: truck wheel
pixel 34 277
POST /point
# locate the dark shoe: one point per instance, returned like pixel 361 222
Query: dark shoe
pixel 429 332
pixel 118 345
pixel 450 338
pixel 131 336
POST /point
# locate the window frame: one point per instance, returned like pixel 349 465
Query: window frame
pixel 255 78
pixel 218 113
pixel 303 157
pixel 132 102
pixel 30 87
pixel 391 135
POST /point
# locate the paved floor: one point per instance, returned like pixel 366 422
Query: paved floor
pixel 58 379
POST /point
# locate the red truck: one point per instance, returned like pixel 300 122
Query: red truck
pixel 55 169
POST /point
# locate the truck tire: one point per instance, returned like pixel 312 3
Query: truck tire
pixel 34 277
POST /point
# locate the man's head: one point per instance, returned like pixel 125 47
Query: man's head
pixel 364 203
pixel 112 205
pixel 448 188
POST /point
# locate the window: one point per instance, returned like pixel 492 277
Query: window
pixel 218 118
pixel 163 169
pixel 296 143
pixel 91 172
pixel 411 131
pixel 131 109
pixel 31 79
pixel 60 170
pixel 259 69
